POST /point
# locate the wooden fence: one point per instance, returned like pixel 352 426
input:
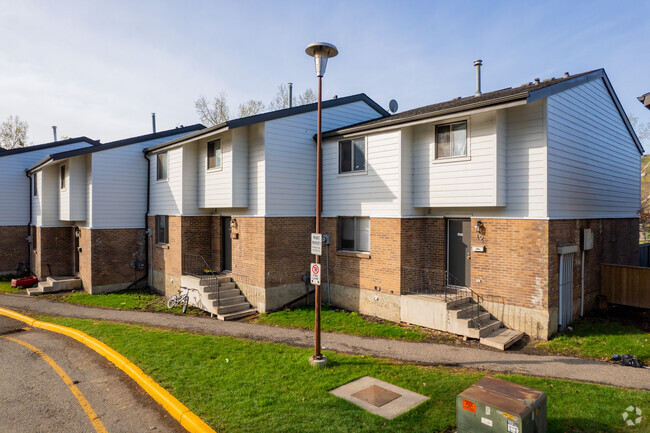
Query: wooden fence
pixel 625 285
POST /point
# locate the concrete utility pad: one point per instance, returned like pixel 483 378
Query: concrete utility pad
pixel 379 397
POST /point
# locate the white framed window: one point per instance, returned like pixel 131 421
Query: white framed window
pixel 162 229
pixel 35 184
pixel 62 177
pixel 352 155
pixel 214 154
pixel 451 140
pixel 354 234
pixel 161 166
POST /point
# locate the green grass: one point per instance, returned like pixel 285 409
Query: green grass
pixel 600 339
pixel 5 285
pixel 247 386
pixel 136 299
pixel 345 322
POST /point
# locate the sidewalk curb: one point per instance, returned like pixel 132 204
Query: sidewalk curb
pixel 190 421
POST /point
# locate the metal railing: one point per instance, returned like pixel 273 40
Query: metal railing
pixel 444 284
pixel 195 265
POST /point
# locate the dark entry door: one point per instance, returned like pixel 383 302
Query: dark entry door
pixel 458 252
pixel 77 233
pixel 226 245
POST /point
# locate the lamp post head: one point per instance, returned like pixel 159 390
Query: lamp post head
pixel 321 51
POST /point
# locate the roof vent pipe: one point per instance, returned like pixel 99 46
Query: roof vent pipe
pixel 153 122
pixel 566 75
pixel 54 131
pixel 478 64
pixel 537 81
pixel 290 95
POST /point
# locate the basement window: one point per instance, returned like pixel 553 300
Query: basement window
pixel 162 229
pixel 62 177
pixel 354 234
pixel 161 165
pixel 352 155
pixel 35 180
pixel 214 154
pixel 451 140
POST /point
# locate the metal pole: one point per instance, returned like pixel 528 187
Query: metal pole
pixel 319 197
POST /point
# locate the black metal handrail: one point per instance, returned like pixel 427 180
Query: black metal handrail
pixel 195 265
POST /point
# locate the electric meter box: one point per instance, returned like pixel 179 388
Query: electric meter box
pixel 495 405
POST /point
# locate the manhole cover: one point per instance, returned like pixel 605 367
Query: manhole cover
pixel 376 395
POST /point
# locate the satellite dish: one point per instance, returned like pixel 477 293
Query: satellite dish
pixel 392 106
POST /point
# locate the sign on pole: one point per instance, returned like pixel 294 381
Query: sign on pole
pixel 316 244
pixel 315 274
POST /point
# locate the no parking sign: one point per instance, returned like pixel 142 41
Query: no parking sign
pixel 315 274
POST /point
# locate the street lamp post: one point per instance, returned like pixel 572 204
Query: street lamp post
pixel 320 51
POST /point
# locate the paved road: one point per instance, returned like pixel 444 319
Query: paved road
pixel 52 383
pixel 560 367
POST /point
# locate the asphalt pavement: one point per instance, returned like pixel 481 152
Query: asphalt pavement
pixel 52 383
pixel 560 367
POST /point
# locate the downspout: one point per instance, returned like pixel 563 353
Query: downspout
pixel 29 224
pixel 146 223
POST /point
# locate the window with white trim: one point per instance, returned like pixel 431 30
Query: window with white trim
pixel 162 229
pixel 451 140
pixel 354 234
pixel 214 154
pixel 352 155
pixel 161 166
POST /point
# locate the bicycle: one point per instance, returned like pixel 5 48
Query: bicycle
pixel 183 298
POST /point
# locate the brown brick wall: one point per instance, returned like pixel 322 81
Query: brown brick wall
pixel 13 247
pixel 288 244
pixel 113 252
pixel 166 259
pixel 85 257
pixel 248 251
pixel 54 255
pixel 196 240
pixel 423 253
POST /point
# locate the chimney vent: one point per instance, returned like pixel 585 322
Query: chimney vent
pixel 54 131
pixel 537 81
pixel 566 75
pixel 153 122
pixel 478 63
pixel 290 95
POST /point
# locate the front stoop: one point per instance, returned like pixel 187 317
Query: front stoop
pixel 460 316
pixel 227 301
pixel 55 284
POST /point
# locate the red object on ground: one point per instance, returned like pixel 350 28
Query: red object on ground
pixel 24 282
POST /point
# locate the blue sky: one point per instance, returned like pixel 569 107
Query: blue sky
pixel 99 68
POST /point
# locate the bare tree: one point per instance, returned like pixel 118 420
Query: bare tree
pixel 13 133
pixel 308 97
pixel 250 108
pixel 281 99
pixel 214 112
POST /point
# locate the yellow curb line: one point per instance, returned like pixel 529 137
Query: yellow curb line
pixel 176 409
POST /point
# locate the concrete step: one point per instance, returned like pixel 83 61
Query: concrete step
pixel 35 291
pixel 502 338
pixel 64 283
pixel 468 320
pixel 237 315
pixel 232 301
pixel 458 302
pixel 486 329
pixel 229 293
pixel 231 308
pixel 225 278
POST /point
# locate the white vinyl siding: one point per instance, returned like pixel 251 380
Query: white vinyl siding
pixel 291 157
pixel 72 205
pixel 15 185
pixel 49 198
pixel 593 163
pixel 256 170
pixel 167 195
pixel 63 171
pixel 375 192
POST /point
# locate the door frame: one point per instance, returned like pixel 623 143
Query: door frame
pixel 75 245
pixel 225 231
pixel 447 265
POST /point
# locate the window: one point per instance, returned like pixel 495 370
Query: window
pixel 162 229
pixel 161 173
pixel 451 140
pixel 354 234
pixel 214 154
pixel 352 155
pixel 35 180
pixel 63 177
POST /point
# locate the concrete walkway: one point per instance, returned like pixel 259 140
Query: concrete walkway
pixel 560 367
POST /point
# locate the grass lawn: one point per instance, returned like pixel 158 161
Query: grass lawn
pixel 600 338
pixel 247 386
pixel 5 285
pixel 136 299
pixel 336 320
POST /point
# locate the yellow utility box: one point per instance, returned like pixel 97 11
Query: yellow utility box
pixel 495 405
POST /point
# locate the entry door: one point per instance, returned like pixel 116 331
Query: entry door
pixel 76 250
pixel 566 290
pixel 458 252
pixel 226 245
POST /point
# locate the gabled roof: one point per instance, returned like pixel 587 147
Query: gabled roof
pixel 528 92
pixel 81 139
pixel 114 144
pixel 272 115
